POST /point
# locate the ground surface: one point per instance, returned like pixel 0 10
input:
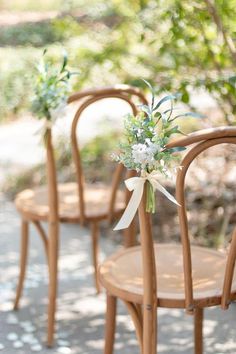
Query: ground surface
pixel 80 312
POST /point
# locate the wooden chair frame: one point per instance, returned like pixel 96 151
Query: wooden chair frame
pixel 144 311
pixel 51 240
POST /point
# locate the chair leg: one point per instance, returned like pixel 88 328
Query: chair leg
pixel 149 330
pixel 198 324
pixel 53 271
pixel 23 261
pixel 136 315
pixel 43 236
pixel 95 239
pixel 110 324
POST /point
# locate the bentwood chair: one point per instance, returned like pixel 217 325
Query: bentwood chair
pixel 152 275
pixel 80 202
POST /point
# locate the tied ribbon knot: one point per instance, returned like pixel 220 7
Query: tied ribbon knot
pixel 136 184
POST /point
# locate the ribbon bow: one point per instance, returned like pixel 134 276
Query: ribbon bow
pixel 136 184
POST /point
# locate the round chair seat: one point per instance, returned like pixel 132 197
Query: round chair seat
pixel 33 203
pixel 121 275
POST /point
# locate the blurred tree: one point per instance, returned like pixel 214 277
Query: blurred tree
pixel 177 45
pixel 174 44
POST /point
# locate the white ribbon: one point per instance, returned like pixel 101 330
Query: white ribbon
pixel 136 184
pixel 47 124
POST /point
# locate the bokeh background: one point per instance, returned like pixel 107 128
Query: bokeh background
pixel 177 45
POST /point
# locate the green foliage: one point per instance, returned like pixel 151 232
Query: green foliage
pixel 147 135
pixel 97 153
pixel 15 80
pixel 94 154
pixel 36 34
pixel 177 45
pixel 51 88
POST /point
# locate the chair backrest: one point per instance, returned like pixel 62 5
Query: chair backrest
pixel 86 98
pixel 203 140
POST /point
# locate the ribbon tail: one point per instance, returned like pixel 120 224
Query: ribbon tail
pixel 158 186
pixel 131 208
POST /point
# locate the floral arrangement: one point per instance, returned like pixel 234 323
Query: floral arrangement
pixel 51 90
pixel 144 148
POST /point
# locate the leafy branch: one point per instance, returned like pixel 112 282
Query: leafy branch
pixel 52 87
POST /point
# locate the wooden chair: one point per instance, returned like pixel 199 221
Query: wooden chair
pixel 170 275
pixel 71 202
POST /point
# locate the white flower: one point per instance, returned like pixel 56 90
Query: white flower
pixel 144 153
pixel 162 163
pixel 139 132
pixel 153 147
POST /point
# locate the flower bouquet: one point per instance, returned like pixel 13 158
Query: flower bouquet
pixel 51 90
pixel 144 150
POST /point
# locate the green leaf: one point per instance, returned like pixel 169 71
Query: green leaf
pixel 166 98
pixel 176 149
pixel 232 80
pixel 157 115
pixel 152 91
pixel 185 97
pixel 190 114
pixel 75 73
pixel 65 61
pixel 145 109
pixel 173 130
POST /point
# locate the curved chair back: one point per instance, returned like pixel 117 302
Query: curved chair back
pixel 203 140
pixel 87 98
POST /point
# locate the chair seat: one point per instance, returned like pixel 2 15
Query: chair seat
pixel 121 275
pixel 33 203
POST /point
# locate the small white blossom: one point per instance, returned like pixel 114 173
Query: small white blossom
pixel 152 146
pixel 144 154
pixel 139 132
pixel 162 163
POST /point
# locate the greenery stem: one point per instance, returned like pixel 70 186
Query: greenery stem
pixel 150 203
